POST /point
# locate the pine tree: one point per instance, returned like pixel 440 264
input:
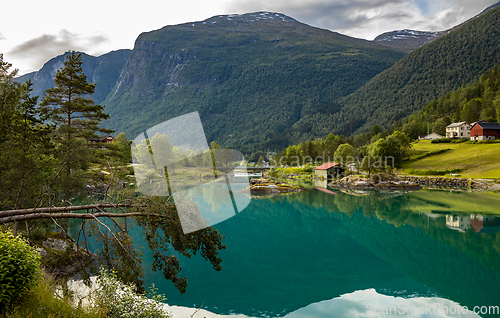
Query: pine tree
pixel 75 116
pixel 25 160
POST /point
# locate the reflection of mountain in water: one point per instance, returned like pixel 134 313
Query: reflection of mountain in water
pixel 287 252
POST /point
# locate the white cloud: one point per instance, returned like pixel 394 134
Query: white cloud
pixel 368 18
pixel 122 23
pixel 39 50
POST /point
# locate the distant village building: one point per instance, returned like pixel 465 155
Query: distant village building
pixel 482 130
pixel 459 130
pixel 329 170
pixel 485 224
pixel 105 139
pixel 431 136
pixel 459 223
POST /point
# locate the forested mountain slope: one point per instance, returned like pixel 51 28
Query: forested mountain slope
pixel 434 70
pixel 102 70
pixel 250 77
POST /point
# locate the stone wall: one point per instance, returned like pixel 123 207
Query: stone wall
pixel 446 182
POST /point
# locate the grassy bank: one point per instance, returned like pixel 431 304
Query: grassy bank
pixel 478 160
pixel 42 302
pixel 432 201
pixel 299 172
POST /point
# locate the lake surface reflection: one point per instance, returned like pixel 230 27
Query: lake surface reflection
pixel 348 254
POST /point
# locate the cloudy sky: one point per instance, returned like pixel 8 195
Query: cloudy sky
pixel 33 31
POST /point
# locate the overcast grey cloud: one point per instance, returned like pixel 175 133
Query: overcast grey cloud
pixel 368 18
pixel 28 48
pixel 41 49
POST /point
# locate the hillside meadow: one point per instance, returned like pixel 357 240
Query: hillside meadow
pixel 479 160
pixel 460 202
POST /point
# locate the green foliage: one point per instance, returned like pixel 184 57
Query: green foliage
pixel 392 149
pixel 476 159
pixel 441 141
pixel 45 302
pixel 118 300
pixel 345 152
pixel 102 71
pixel 417 155
pixel 260 162
pixel 75 117
pixel 250 81
pixel 25 160
pixel 476 101
pixel 316 151
pixel 440 125
pixel 19 269
pixel 436 69
pixel 430 172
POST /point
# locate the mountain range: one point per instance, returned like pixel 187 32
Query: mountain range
pixel 433 70
pixel 263 80
pixel 410 40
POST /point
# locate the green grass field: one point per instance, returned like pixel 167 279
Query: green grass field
pixel 479 160
pixel 432 201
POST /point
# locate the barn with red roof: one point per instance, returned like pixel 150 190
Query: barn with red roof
pixel 329 170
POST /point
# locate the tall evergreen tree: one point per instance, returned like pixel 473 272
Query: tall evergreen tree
pixel 25 162
pixel 28 178
pixel 76 118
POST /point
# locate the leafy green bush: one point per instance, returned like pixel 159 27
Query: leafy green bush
pixel 487 141
pixel 121 301
pixel 441 141
pixel 19 269
pixel 308 169
pixel 431 172
pixel 45 302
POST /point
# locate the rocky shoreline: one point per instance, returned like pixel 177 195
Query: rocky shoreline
pixel 385 182
pixel 463 183
pixel 356 182
pixel 267 186
pixel 62 259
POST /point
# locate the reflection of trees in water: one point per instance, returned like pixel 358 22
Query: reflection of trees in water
pixel 211 194
pixel 400 211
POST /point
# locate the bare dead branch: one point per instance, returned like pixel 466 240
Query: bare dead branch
pixel 64 209
pixel 109 184
pixel 34 216
pixel 117 240
pixel 57 224
pixel 192 315
pixel 116 223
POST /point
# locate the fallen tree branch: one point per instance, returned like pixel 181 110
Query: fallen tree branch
pixel 44 215
pixel 64 209
pixel 114 236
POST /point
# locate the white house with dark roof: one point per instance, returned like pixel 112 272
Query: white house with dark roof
pixel 459 130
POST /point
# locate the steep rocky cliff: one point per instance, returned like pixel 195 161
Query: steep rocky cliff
pixel 102 70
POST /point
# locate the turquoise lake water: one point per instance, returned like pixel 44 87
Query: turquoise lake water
pixel 349 254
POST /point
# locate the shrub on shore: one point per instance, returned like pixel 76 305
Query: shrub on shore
pixel 19 269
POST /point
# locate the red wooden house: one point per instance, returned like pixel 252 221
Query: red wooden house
pixel 482 130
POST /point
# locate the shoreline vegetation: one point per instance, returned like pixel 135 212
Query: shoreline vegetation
pixel 398 182
pixel 269 186
pixel 464 165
